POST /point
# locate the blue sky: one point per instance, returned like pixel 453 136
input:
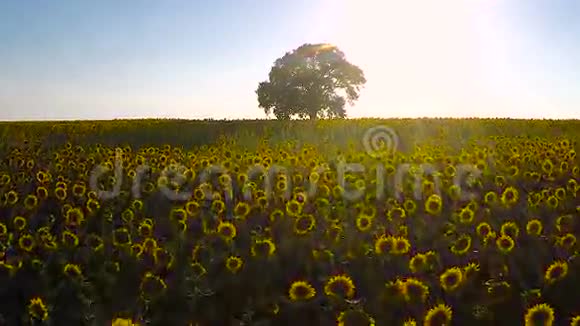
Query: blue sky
pixel 66 59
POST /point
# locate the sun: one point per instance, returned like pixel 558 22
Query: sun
pixel 420 58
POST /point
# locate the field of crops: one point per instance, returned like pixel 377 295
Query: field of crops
pixel 348 222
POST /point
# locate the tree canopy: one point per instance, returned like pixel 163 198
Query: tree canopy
pixel 312 81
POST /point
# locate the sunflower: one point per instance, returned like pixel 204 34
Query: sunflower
pixel 575 321
pixel 293 208
pixel 510 229
pixel 262 202
pixel 433 259
pixel 92 206
pixel 410 322
pixel 401 246
pixel 564 223
pixel 74 217
pixel 340 286
pixel 451 279
pixel 396 213
pixel 513 171
pixel 49 243
pixel 534 199
pixel 449 230
pixel 128 215
pixel 276 215
pixel 510 196
pixel 181 227
pixel 3 229
pixel 462 245
pixel 414 290
pixel 354 317
pixel 37 309
pixel 418 263
pixel 69 239
pixel 200 193
pixel 282 186
pixel 337 191
pixel 152 285
pixel 241 210
pixel 37 265
pixel 5 179
pixel 137 205
pixel 42 177
pixel 263 248
pixel 30 202
pixel 227 230
pixel 470 270
pixel 301 291
pixel 384 244
pixel 571 186
pixel 410 206
pixel 567 241
pixel 393 291
pixel 79 190
pixel 505 244
pixel 454 192
pixel 540 314
pixel 19 223
pixel 60 193
pixel 41 193
pixel 402 231
pixel 552 202
pixel 364 222
pixel 72 271
pixel 439 315
pixel 299 195
pixel 58 167
pixel 304 224
pixel 360 185
pixel 11 198
pixel 176 214
pixel 26 242
pixel 323 191
pixel 556 271
pixel 145 229
pixel 234 264
pixel 150 245
pixel 433 205
pixel 123 322
pixel 466 215
pixel 534 227
pixel 137 250
pixel 163 258
pixel 483 229
pixel 490 198
pixel 560 193
pixel 121 237
pixel 192 208
pixel 225 181
pixel 334 232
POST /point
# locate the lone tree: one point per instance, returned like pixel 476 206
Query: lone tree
pixel 314 80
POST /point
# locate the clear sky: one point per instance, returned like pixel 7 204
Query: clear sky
pixel 71 59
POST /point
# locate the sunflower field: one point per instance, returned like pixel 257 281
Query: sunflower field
pixel 170 222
